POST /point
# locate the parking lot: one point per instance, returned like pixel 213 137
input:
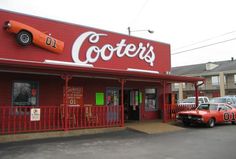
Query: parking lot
pixel 192 143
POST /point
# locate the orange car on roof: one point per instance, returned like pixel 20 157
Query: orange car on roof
pixel 26 35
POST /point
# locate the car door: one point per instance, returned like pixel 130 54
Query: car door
pixel 227 115
pixel 220 113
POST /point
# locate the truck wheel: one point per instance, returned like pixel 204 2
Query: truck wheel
pixel 24 38
pixel 211 123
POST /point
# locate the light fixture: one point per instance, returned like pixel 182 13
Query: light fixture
pixel 129 31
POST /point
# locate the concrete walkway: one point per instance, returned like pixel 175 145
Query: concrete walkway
pixel 153 127
pixel 147 127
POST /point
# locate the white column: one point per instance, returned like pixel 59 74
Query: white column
pixel 222 85
pixel 181 91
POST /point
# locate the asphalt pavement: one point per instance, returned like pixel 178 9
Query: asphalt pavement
pixel 191 143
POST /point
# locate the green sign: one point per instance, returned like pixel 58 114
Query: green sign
pixel 99 98
pixel 140 98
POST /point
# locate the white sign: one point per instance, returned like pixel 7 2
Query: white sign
pixel 143 51
pixel 35 114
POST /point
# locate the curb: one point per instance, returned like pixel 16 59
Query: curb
pixel 56 134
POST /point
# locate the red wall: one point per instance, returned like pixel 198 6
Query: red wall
pixel 69 33
pixel 51 89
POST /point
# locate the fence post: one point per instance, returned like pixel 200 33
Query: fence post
pixel 196 94
pixel 122 81
pixel 66 78
pixel 164 103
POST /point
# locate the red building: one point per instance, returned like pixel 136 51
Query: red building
pixel 97 79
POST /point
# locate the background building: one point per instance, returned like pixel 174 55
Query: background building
pixel 220 79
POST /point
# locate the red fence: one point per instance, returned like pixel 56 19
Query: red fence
pixel 94 116
pixel 19 119
pixel 173 109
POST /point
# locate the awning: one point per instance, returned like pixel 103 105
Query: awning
pixel 12 65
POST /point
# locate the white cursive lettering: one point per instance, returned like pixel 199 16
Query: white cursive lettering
pixel 106 52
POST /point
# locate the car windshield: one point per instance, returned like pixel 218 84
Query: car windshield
pixel 207 107
pixel 189 100
pixel 218 100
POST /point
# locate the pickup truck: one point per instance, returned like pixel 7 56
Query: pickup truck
pixel 191 100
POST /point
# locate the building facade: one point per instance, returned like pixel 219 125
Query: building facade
pixel 61 76
pixel 220 79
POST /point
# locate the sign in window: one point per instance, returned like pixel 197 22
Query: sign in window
pixel 75 96
pixel 25 93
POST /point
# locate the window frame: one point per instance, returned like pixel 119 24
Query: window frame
pixel 25 81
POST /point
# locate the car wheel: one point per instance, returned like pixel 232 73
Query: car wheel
pixel 211 123
pixel 233 122
pixel 24 38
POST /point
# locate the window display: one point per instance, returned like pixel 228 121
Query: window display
pixel 112 97
pixel 150 99
pixel 25 93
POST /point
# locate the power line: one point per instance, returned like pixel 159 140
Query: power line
pixel 139 12
pixel 180 52
pixel 207 39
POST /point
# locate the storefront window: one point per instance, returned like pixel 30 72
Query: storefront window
pixel 25 93
pixel 150 99
pixel 112 97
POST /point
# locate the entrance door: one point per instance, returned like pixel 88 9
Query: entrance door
pixel 131 104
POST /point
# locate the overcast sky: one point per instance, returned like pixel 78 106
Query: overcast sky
pixel 177 22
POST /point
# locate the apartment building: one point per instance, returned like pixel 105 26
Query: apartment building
pixel 220 79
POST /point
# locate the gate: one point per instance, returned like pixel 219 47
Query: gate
pixel 173 109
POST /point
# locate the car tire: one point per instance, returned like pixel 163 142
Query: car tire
pixel 211 123
pixel 24 38
pixel 186 123
pixel 233 122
